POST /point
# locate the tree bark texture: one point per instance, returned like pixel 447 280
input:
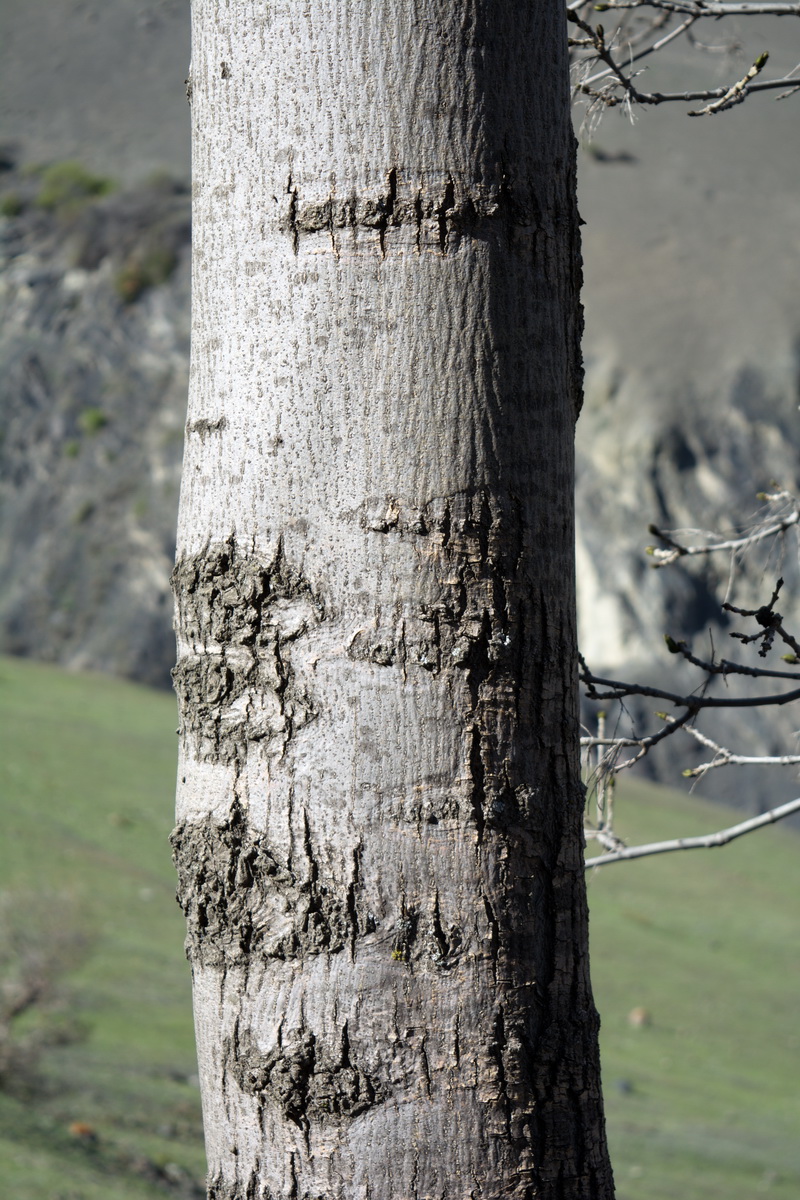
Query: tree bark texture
pixel 379 806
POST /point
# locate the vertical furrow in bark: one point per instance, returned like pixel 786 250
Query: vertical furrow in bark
pixel 379 807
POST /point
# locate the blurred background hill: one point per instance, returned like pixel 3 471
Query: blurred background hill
pixel 97 80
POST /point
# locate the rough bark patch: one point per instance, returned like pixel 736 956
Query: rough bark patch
pixel 305 1081
pixel 238 615
pixel 469 625
pixel 252 1189
pixel 239 901
pixel 480 624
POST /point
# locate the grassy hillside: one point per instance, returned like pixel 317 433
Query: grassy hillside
pixel 703 1100
pixel 86 783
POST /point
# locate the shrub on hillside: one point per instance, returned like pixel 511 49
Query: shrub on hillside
pixel 66 186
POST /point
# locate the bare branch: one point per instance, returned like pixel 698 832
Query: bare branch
pixel 726 758
pixel 735 94
pixel 656 46
pixel 596 39
pixel 725 667
pixel 710 9
pixel 644 745
pixel 771 624
pixel 663 558
pixel 608 840
pixel 610 100
pixel 705 842
pixel 611 47
pixel 693 703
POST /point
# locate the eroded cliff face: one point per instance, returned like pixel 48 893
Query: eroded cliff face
pixel 692 352
pixel 695 462
pixel 94 309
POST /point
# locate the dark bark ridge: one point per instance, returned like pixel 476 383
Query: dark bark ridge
pixel 239 901
pixel 220 1188
pixel 304 1080
pixel 241 904
pixel 239 614
pixel 483 625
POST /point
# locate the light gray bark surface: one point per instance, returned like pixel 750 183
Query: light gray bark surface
pixel 379 806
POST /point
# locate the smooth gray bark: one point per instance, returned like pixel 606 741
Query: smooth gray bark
pixel 379 805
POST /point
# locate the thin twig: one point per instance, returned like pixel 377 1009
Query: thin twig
pixel 665 558
pixel 659 45
pixel 645 744
pixel 727 758
pixel 735 94
pixel 736 8
pixel 693 703
pixel 725 667
pixel 706 842
pixel 679 550
pixel 654 98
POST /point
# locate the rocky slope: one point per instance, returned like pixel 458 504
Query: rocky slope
pixel 94 306
pixel 692 352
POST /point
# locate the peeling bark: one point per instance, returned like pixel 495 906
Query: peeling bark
pixel 379 841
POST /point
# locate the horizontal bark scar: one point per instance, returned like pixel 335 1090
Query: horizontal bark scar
pixel 205 425
pixel 237 616
pixel 442 214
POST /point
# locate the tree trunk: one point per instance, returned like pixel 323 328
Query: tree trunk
pixel 379 841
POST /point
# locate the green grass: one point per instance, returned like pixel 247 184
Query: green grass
pixel 87 768
pixel 702 1103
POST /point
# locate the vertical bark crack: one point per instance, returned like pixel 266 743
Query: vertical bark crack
pixel 447 204
pixel 293 227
